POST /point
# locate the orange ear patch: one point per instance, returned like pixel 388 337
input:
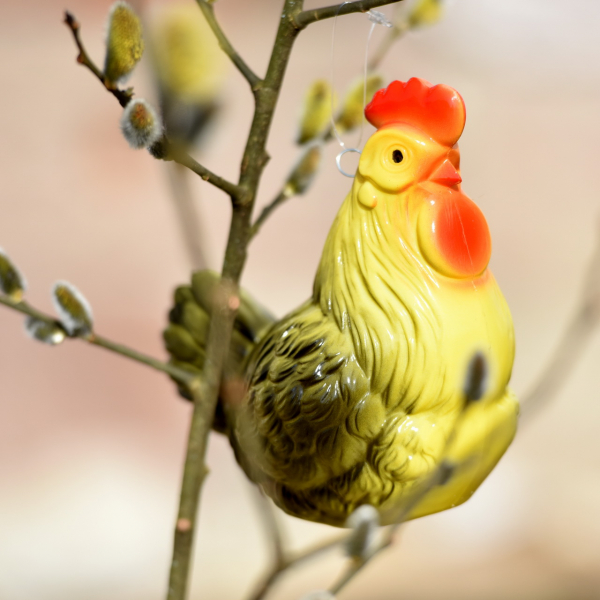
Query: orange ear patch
pixel 454 237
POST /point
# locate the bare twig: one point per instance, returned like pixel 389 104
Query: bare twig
pixel 181 375
pixel 123 96
pixel 305 18
pixel 269 518
pixel 170 151
pixel 291 562
pixel 224 43
pixel 578 332
pixel 392 35
pixel 187 215
pixel 267 210
pixel 205 397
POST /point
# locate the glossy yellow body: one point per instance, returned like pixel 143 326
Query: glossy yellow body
pixel 351 398
pixel 391 307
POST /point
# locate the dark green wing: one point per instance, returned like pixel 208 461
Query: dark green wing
pixel 309 414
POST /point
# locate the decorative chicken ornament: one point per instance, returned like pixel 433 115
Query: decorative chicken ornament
pixel 351 398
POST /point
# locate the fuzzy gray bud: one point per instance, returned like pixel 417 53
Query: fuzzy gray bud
pixel 140 124
pixel 73 309
pixel 43 331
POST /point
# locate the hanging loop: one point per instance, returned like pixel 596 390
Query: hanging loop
pixel 338 161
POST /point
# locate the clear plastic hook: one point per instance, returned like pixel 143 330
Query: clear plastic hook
pixel 379 18
pixel 338 161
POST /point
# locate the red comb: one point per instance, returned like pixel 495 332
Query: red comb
pixel 438 110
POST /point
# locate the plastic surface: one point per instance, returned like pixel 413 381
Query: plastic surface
pixel 350 399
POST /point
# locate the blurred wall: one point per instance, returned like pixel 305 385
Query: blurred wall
pixel 91 445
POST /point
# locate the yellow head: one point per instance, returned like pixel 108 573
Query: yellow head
pixel 414 153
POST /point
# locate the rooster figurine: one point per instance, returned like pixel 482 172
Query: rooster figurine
pixel 352 398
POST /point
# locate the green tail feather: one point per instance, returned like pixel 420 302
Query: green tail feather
pixel 185 336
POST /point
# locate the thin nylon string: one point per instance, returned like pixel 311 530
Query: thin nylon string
pixel 365 73
pixel 332 65
pixel 366 68
pixel 376 18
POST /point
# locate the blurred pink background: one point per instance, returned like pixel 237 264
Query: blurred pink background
pixel 91 445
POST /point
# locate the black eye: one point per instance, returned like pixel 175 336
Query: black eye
pixel 397 156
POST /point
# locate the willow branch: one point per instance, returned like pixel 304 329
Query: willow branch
pixel 225 44
pixel 267 210
pixel 167 150
pixel 392 35
pixel 266 510
pixel 187 214
pixel 225 302
pixel 164 149
pixel 180 375
pixel 307 17
pixel 291 562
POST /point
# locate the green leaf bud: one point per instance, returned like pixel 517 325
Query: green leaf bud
pixel 140 124
pixel 425 12
pixel 12 283
pixel 304 172
pixel 316 113
pixel 73 309
pixel 43 331
pixel 124 43
pixel 351 115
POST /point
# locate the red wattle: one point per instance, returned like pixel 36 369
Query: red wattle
pixel 453 235
pixel 462 236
